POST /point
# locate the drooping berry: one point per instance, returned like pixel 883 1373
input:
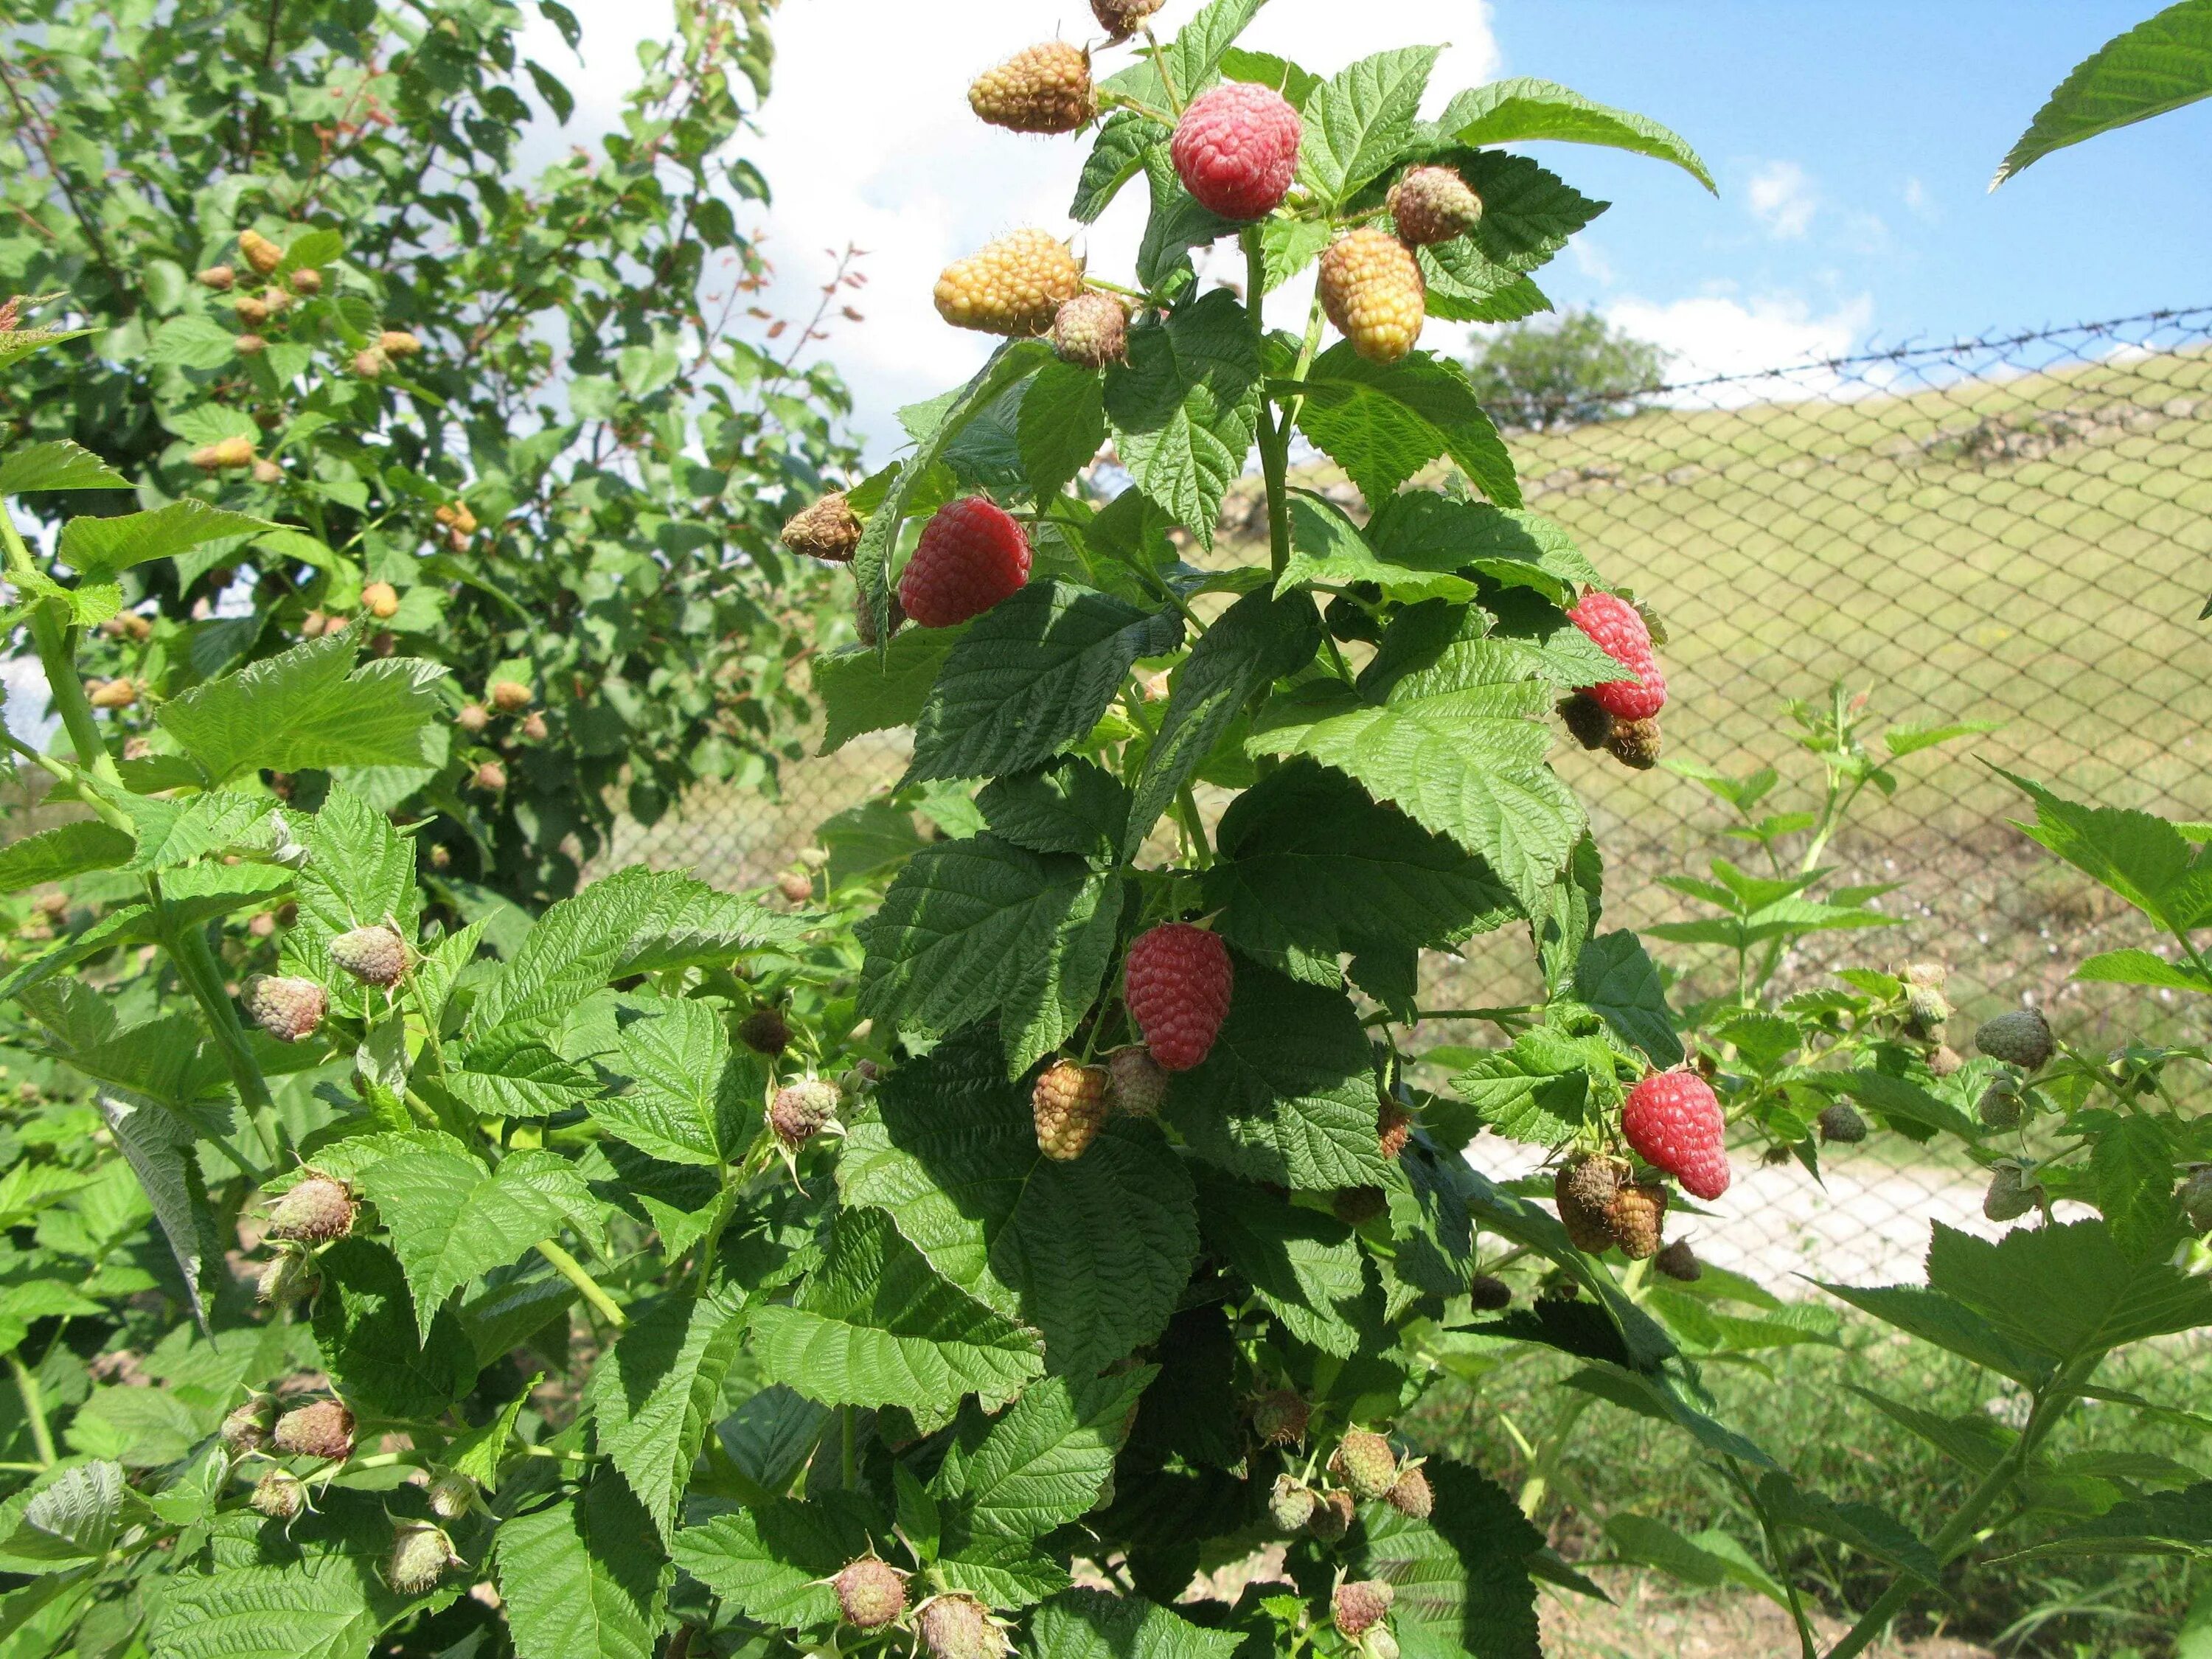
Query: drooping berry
pixel 246 1428
pixel 1945 1060
pixel 420 1552
pixel 280 1495
pixel 1365 1463
pixel 1674 1123
pixel 1586 720
pixel 533 728
pixel 1584 1189
pixel 1333 1517
pixel 2020 1038
pixel 796 887
pixel 1069 1106
pixel 871 1592
pixel 1046 89
pixel 1091 330
pixel 2012 1192
pixel 1488 1293
pixel 765 1031
pixel 1136 1083
pixel 287 1009
pixel 263 255
pixel 1841 1123
pixel 1434 204
pixel 1122 18
pixel 473 717
pixel 1372 289
pixel 1291 1503
pixel 1013 286
pixel 1636 1218
pixel 322 1429
pixel 801 1111
pixel 1394 1128
pixel 374 955
pixel 1177 982
pixel 315 1211
pixel 2000 1106
pixel 1679 1262
pixel 286 1277
pixel 1616 628
pixel 971 554
pixel 451 1495
pixel 959 1627
pixel 1635 744
pixel 1236 148
pixel 828 530
pixel 368 365
pixel 1361 1604
pixel 1411 1494
pixel 1279 1417
pixel 510 696
pixel 110 693
pixel 252 345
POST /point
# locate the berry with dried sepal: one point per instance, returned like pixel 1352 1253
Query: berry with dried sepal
pixel 110 693
pixel 802 1110
pixel 1091 330
pixel 871 1592
pixel 1372 289
pixel 1365 1463
pixel 280 1494
pixel 227 455
pixel 453 1495
pixel 374 955
pixel 420 1552
pixel 252 312
pixel 1136 1083
pixel 252 345
pixel 1279 1417
pixel 1944 1060
pixel 263 255
pixel 533 728
pixel 828 530
pixel 765 1031
pixel 509 696
pixel 1434 204
pixel 368 365
pixel 1411 1494
pixel 1617 629
pixel 1291 1503
pixel 1488 1293
pixel 1841 1124
pixel 380 600
pixel 287 1277
pixel 315 1211
pixel 246 1429
pixel 322 1429
pixel 1635 744
pixel 1584 1189
pixel 1236 148
pixel 2012 1192
pixel 972 554
pixel 1673 1122
pixel 490 777
pixel 1014 286
pixel 1679 1262
pixel 958 1626
pixel 796 887
pixel 1045 88
pixel 1332 1515
pixel 1360 1604
pixel 2020 1038
pixel 1586 719
pixel 1177 982
pixel 1069 1107
pixel 1124 18
pixel 1636 1218
pixel 287 1008
pixel 1394 1128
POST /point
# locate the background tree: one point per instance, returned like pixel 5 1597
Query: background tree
pixel 517 405
pixel 1573 367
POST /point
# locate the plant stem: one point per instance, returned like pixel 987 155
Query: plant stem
pixel 1274 432
pixel 1807 1644
pixel 203 976
pixel 58 661
pixel 848 1447
pixel 34 1410
pixel 1539 1477
pixel 1160 62
pixel 573 1270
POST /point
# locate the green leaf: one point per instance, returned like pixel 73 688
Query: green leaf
pixel 2132 1165
pixel 658 1389
pixel 1308 868
pixel 1509 112
pixel 75 1517
pixel 2130 966
pixel 17 344
pixel 157 1144
pixel 1357 124
pixel 1092 1253
pixel 1516 549
pixel 450 1218
pixel 309 707
pixel 100 549
pixel 1864 1527
pixel 975 929
pixel 1535 1091
pixel 58 465
pixel 192 340
pixel 174 832
pixel 1063 421
pixel 2143 859
pixel 1463 287
pixel 583 1576
pixel 690 1101
pixel 366 1328
pixel 1090 1624
pixel 2066 1291
pixel 480 1453
pixel 1462 1577
pixel 1193 57
pixel 1306 1267
pixel 1183 409
pixel 1040 1465
pixel 65 851
pixel 863 689
pixel 773 1562
pixel 1287 1094
pixel 1616 976
pixel 771 1435
pixel 2163 1523
pixel 1327 550
pixel 1074 806
pixel 1256 641
pixel 1032 676
pixel 1528 213
pixel 1707 1559
pixel 874 1325
pixel 1383 422
pixel 2163 63
pixel 1117 156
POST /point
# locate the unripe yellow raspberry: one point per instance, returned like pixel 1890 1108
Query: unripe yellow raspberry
pixel 251 345
pixel 369 364
pixel 380 600
pixel 112 693
pixel 252 312
pixel 1371 288
pixel 219 278
pixel 1434 204
pixel 1015 286
pixel 263 255
pixel 231 451
pixel 306 282
pixel 399 343
pixel 1044 90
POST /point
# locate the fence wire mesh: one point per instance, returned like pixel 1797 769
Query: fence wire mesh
pixel 2014 529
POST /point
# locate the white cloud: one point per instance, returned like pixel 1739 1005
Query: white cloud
pixel 1919 203
pixel 1715 334
pixel 868 138
pixel 1782 197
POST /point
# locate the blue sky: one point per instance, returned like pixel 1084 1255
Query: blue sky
pixel 1853 143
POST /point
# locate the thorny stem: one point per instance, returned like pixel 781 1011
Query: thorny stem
pixel 34 1410
pixel 573 1270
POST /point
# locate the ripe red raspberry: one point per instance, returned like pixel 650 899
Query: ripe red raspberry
pixel 1674 1123
pixel 1236 148
pixel 1618 629
pixel 1177 982
pixel 971 556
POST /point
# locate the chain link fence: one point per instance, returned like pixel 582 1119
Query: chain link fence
pixel 2016 529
